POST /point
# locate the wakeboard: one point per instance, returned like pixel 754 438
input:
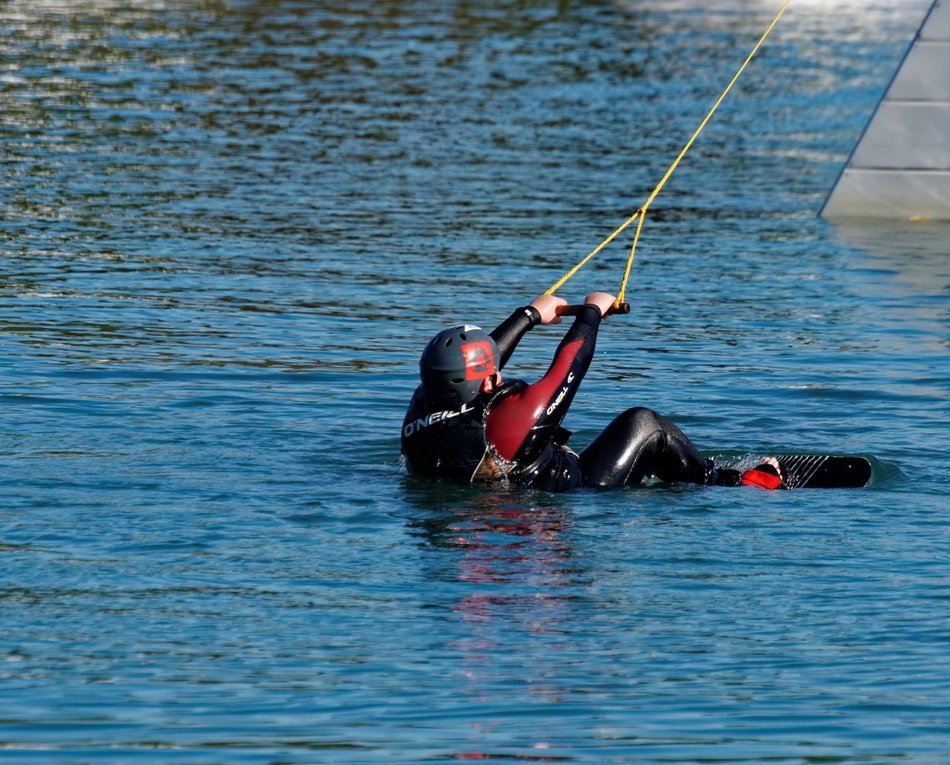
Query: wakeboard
pixel 823 471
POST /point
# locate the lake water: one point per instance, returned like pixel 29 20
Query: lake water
pixel 227 230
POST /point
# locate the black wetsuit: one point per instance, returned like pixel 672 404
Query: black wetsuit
pixel 514 433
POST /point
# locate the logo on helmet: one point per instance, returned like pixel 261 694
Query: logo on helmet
pixel 479 360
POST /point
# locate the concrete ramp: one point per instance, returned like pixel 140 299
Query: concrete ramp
pixel 900 167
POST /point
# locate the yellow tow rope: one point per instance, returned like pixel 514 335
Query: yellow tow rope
pixel 640 214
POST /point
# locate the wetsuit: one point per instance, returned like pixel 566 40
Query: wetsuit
pixel 514 433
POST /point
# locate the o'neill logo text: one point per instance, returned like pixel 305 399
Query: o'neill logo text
pixel 424 422
pixel 560 396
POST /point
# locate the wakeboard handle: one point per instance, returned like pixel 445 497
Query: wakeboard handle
pixel 572 310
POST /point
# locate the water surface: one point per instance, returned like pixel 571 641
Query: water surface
pixel 227 230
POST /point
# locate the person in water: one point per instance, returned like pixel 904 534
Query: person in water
pixel 467 424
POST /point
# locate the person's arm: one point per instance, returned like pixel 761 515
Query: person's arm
pixel 522 422
pixel 507 335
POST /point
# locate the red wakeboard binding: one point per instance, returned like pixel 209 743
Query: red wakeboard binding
pixel 766 475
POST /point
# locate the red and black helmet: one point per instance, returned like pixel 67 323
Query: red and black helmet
pixel 455 362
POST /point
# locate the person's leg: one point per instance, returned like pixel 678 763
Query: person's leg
pixel 641 443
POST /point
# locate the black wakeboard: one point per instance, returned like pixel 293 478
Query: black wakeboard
pixel 823 471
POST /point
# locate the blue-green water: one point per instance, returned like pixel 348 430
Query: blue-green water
pixel 228 228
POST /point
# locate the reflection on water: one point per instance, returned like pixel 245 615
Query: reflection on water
pixel 517 579
pixel 500 541
pixel 470 517
pixel 916 252
pixel 902 269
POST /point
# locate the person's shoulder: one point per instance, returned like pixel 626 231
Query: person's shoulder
pixel 418 400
